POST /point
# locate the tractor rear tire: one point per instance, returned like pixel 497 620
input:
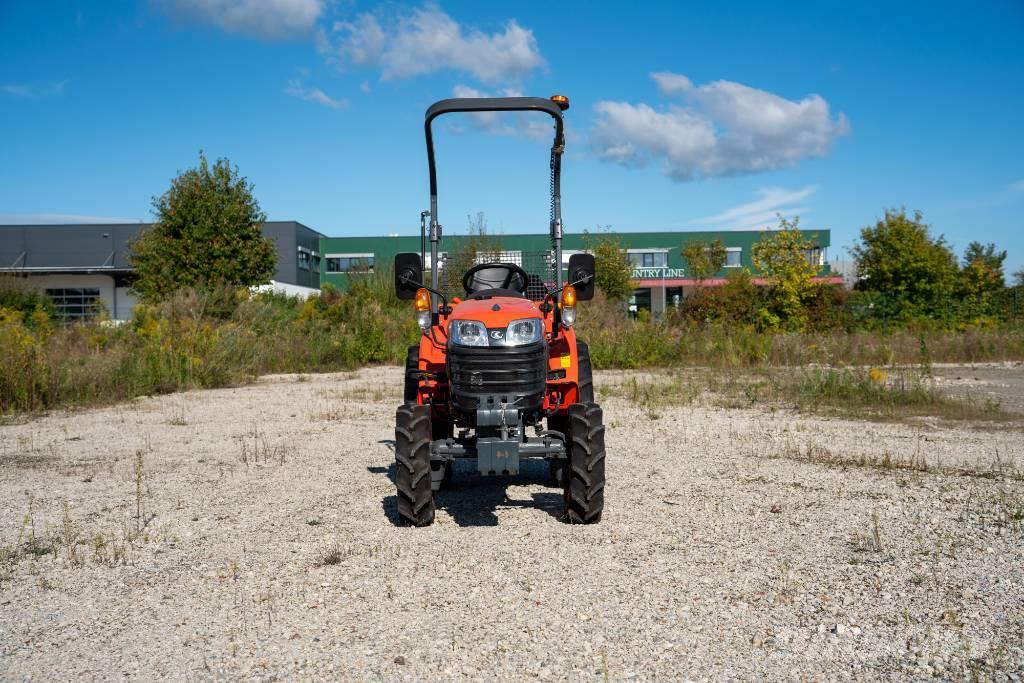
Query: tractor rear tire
pixel 584 486
pixel 412 369
pixel 586 372
pixel 412 465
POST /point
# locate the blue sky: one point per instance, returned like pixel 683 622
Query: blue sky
pixel 703 115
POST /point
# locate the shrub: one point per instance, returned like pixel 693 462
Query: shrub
pixel 613 271
pixel 207 233
pixel 899 258
pixel 781 256
pixel 16 296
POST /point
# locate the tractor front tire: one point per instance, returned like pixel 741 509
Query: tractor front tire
pixel 584 485
pixel 412 465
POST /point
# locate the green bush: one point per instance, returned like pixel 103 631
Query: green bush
pixel 15 296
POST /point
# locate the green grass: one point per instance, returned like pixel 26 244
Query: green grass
pixel 889 393
pixel 652 396
pixel 893 393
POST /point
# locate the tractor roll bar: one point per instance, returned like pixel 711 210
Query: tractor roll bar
pixel 477 104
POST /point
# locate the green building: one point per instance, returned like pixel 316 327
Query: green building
pixel 659 268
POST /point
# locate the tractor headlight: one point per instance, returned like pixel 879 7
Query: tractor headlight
pixel 568 316
pixel 468 333
pixel 423 319
pixel 525 331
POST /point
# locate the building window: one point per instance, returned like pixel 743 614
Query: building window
pixel 304 259
pixel 74 303
pixel 816 256
pixel 732 257
pixel 648 258
pixel 349 263
pixel 316 263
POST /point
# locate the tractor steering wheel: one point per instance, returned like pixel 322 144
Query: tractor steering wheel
pixel 486 277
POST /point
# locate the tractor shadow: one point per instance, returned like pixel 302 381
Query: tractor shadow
pixel 473 500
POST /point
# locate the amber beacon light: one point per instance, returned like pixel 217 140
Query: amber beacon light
pixel 423 317
pixel 561 100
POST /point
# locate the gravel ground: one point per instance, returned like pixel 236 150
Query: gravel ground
pixel 735 544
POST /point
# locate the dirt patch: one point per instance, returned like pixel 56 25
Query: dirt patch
pixel 1002 383
pixel 251 532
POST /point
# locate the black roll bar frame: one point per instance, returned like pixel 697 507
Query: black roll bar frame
pixel 484 104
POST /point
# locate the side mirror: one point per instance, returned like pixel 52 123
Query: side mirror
pixel 581 273
pixel 408 275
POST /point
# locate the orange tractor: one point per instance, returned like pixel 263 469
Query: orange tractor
pixel 501 359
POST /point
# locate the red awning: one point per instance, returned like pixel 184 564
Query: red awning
pixel 718 281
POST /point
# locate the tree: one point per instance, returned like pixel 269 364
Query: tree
pixel 1018 278
pixel 781 257
pixel 981 279
pixel 986 255
pixel 704 258
pixel 898 258
pixel 614 274
pixel 207 233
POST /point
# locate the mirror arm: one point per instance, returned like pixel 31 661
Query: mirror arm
pixel 406 280
pixel 585 278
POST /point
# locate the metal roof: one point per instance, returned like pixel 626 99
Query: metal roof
pixel 79 248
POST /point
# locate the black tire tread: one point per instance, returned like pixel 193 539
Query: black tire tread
pixel 584 486
pixel 585 372
pixel 412 465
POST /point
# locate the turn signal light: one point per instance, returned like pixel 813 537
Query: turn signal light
pixel 422 299
pixel 568 296
pixel 561 100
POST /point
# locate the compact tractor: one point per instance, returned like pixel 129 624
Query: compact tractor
pixel 501 359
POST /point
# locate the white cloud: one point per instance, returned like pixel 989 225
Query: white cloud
pixel 723 128
pixel 629 134
pixel 670 83
pixel 269 19
pixel 296 88
pixel 1017 186
pixel 763 212
pixel 426 39
pixel 33 91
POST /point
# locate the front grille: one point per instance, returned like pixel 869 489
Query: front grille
pixel 514 375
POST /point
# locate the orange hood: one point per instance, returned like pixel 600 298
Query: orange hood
pixel 508 309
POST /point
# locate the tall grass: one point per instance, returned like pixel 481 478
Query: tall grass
pixel 618 341
pixel 196 340
pixel 229 337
